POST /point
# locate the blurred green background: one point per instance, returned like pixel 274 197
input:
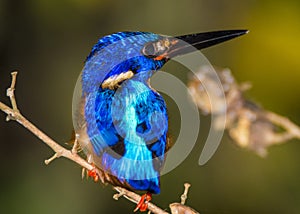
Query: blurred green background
pixel 47 41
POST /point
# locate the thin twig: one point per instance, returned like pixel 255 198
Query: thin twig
pixel 48 161
pixel 285 123
pixel 180 208
pixel 184 195
pixel 11 91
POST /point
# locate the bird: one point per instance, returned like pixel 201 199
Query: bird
pixel 121 122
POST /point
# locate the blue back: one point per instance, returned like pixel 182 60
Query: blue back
pixel 127 126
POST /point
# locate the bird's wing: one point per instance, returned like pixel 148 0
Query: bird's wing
pixel 152 125
pixel 107 135
pixel 128 132
pixel 148 120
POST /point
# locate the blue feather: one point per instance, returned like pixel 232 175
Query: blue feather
pixel 127 127
pixel 125 122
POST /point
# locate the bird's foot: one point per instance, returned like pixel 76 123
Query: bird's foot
pixel 143 203
pixel 93 173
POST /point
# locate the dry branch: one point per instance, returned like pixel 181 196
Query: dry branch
pixel 13 113
pixel 248 124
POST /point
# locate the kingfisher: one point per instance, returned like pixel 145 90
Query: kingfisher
pixel 121 122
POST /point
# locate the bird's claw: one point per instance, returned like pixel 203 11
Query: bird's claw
pixel 93 173
pixel 143 203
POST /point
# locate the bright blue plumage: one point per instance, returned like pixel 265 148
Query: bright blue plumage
pixel 127 125
pixel 120 121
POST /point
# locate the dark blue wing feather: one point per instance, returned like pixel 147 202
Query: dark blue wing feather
pixel 132 127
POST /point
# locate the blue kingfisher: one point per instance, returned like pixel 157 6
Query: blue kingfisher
pixel 121 121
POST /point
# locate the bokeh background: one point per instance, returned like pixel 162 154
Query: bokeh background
pixel 47 41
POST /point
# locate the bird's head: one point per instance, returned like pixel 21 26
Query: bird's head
pixel 122 55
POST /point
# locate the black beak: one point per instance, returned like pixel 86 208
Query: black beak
pixel 187 43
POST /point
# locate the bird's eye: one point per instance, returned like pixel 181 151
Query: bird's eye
pixel 149 50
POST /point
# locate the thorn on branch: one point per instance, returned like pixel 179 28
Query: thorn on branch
pixel 11 91
pixel 118 195
pixel 184 195
pixel 131 196
pixel 180 208
pixel 48 161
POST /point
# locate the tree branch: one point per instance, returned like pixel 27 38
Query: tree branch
pixel 248 124
pixel 14 114
pixel 291 128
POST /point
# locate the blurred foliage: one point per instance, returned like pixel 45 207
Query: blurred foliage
pixel 47 41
